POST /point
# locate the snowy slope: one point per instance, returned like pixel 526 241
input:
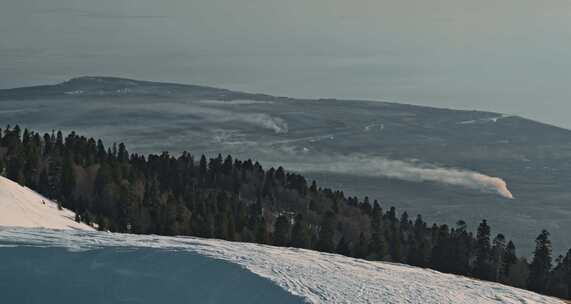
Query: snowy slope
pixel 22 207
pixel 316 277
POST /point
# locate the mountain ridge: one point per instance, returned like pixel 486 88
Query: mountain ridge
pixel 362 138
pixel 119 83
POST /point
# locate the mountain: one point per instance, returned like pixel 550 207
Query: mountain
pixel 22 207
pixel 96 267
pixel 444 164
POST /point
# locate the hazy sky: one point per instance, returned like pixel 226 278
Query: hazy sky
pixel 511 56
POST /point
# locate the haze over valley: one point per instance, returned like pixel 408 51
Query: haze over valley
pixel 444 164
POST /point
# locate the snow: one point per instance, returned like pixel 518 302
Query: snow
pixel 484 120
pixel 314 276
pixel 35 275
pixel 22 207
pixel 374 126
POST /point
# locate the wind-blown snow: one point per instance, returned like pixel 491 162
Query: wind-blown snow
pixel 317 277
pixel 22 207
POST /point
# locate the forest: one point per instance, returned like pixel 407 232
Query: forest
pixel 239 200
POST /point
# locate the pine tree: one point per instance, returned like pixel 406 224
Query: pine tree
pixel 483 249
pixel 67 178
pixel 221 226
pixel 419 249
pixel 343 247
pixel 510 259
pixel 377 244
pixel 261 231
pixel 326 241
pixel 43 184
pixel 440 258
pixel 541 264
pixel 460 242
pixel 300 236
pixel 362 248
pixel 498 255
pixel 282 231
pixel 566 269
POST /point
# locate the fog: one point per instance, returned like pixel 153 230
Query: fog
pixel 507 56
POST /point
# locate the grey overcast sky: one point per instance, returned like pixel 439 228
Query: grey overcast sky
pixel 511 56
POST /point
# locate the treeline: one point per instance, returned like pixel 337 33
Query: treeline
pixel 236 200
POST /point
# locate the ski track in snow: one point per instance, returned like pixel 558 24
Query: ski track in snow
pixel 318 277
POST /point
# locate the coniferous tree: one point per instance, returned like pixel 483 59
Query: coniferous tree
pixel 343 247
pixel 510 259
pixel 236 200
pixel 541 264
pixel 394 237
pixel 419 249
pixel 441 253
pixel 461 248
pixel 362 248
pixel 282 231
pixel 482 267
pixel 565 268
pixel 300 235
pixel 558 284
pixel 261 231
pixel 68 178
pixel 497 257
pixel 326 241
pixel 377 245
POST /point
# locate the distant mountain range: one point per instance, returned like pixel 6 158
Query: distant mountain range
pixel 445 164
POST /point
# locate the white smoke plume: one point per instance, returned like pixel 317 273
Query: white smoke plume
pixel 276 124
pixel 216 115
pixel 262 120
pixel 409 171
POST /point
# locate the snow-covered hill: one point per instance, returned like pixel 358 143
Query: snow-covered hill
pixel 22 207
pixel 104 267
pixel 119 260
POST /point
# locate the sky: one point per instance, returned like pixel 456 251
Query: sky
pixel 509 56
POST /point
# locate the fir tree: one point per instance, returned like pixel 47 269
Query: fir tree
pixel 282 231
pixel 343 247
pixel 261 231
pixel 510 259
pixel 326 241
pixel 541 264
pixel 362 248
pixel 483 248
pixel 498 255
pixel 300 236
pixel 377 244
